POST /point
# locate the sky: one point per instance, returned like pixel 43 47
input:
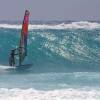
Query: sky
pixel 46 10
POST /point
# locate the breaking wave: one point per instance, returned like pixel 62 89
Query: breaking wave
pixel 74 46
pixel 72 25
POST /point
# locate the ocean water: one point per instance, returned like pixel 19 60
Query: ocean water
pixel 65 61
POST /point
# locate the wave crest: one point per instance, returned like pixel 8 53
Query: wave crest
pixel 72 25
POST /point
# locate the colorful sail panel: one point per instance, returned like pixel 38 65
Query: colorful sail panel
pixel 23 40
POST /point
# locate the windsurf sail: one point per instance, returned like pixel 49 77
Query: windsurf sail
pixel 23 40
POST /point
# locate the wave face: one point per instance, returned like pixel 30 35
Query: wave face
pixel 56 49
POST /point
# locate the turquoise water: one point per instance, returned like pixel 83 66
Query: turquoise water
pixel 56 50
pixel 65 58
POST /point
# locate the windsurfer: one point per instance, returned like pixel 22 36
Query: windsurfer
pixel 22 49
pixel 12 57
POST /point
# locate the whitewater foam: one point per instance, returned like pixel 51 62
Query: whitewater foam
pixel 5 67
pixel 72 25
pixel 63 94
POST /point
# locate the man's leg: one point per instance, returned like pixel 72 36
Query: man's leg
pixel 14 62
pixel 11 63
pixel 19 61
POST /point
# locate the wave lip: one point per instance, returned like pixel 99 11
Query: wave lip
pixel 63 94
pixel 72 25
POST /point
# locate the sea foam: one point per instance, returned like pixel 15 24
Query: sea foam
pixel 63 94
pixel 74 25
pixel 5 67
